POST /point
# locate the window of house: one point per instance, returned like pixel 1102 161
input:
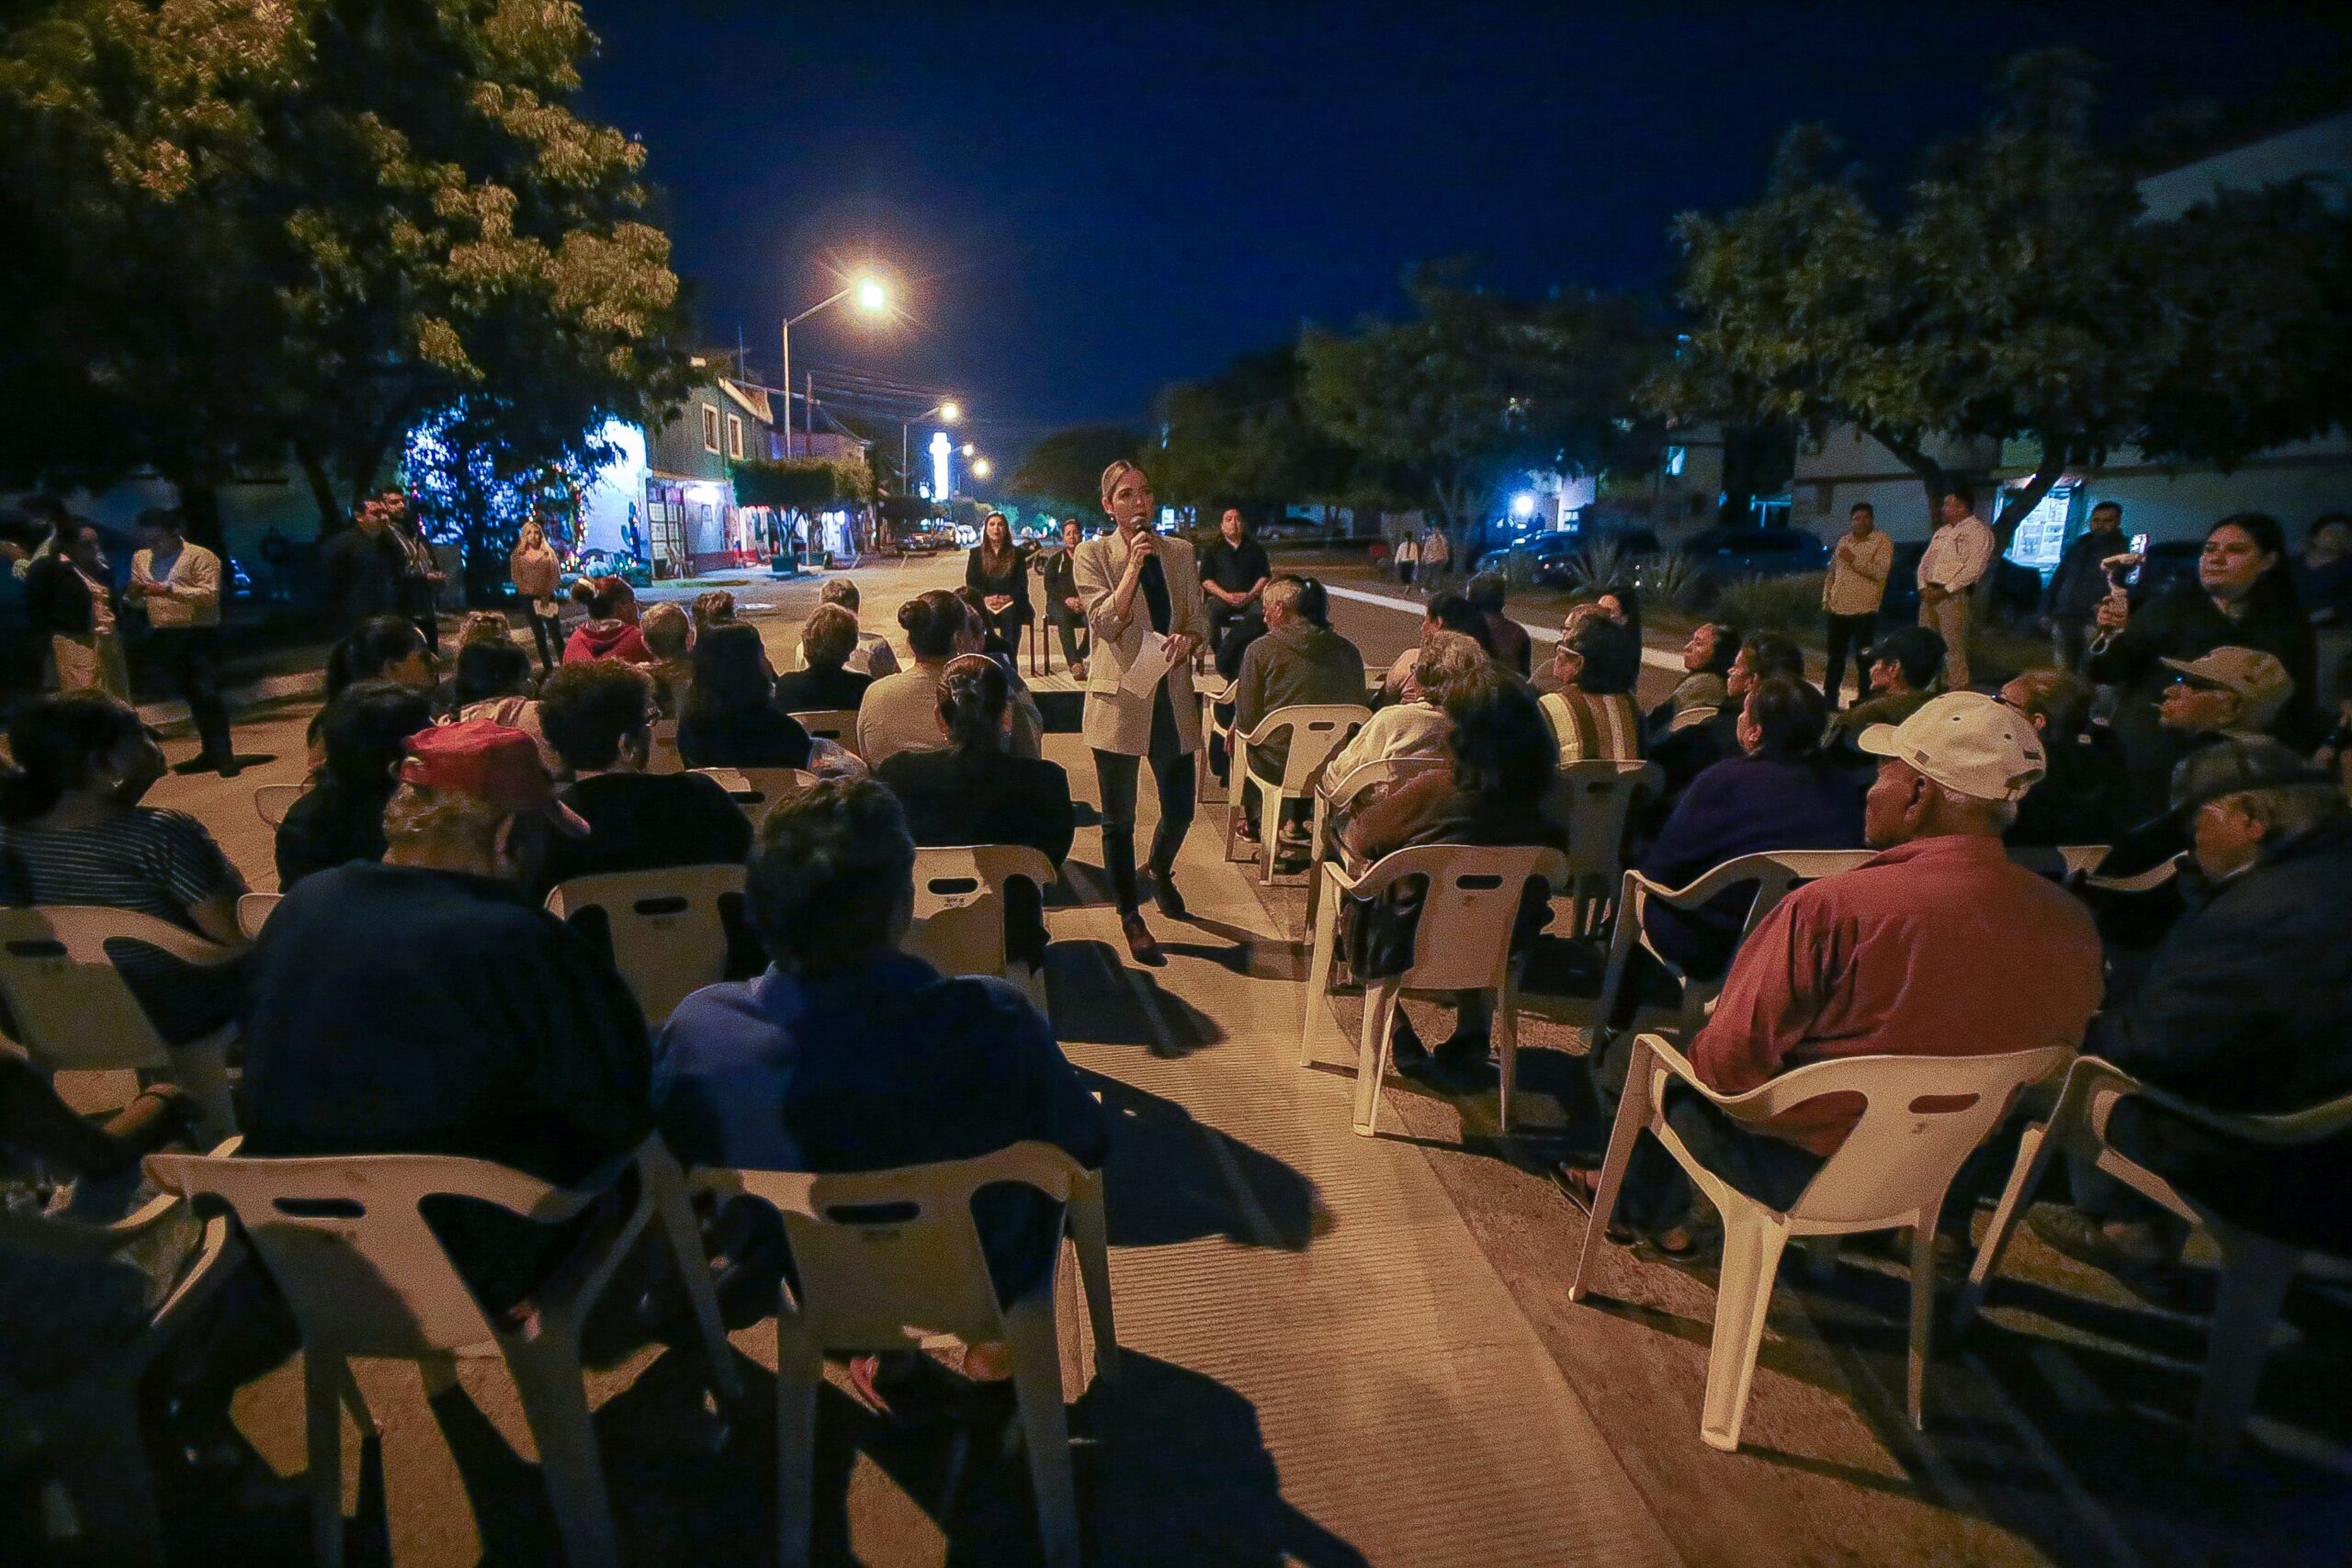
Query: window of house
pixel 735 437
pixel 1676 459
pixel 709 428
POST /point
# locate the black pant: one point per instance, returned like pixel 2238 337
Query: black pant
pixel 417 598
pixel 1848 632
pixel 1070 623
pixel 192 654
pixel 547 632
pixel 1171 772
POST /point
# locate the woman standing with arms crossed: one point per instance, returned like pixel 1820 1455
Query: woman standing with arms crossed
pixel 1137 587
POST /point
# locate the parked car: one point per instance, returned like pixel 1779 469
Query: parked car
pixel 1536 548
pixel 1719 555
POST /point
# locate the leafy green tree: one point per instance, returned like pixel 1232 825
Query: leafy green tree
pixel 1477 388
pixel 1243 438
pixel 1063 470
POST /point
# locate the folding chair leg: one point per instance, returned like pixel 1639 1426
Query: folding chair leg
pixel 1045 1425
pixel 1507 1047
pixel 1923 1310
pixel 2255 1274
pixel 1753 1237
pixel 800 1369
pixel 2034 1150
pixel 1371 1053
pixel 1270 831
pixel 555 1404
pixel 323 1376
pixel 1090 1237
pixel 1632 1116
pixel 1317 993
pixel 694 1269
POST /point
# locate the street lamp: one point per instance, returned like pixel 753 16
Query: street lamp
pixel 873 297
pixel 967 448
pixel 949 412
pixel 982 468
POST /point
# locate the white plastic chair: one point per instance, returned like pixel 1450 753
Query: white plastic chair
pixel 887 1259
pixel 838 724
pixel 667 928
pixel 662 756
pixel 1382 773
pixel 254 911
pixel 1922 1116
pixel 757 789
pixel 2147 881
pixel 2255 1270
pixel 1460 942
pixel 271 803
pixel 75 1013
pixel 958 926
pixel 2082 859
pixel 1590 802
pixel 1315 730
pixel 1208 790
pixel 344 1240
pixel 91 1419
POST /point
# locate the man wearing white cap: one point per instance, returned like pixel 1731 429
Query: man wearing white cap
pixel 2237 692
pixel 1940 946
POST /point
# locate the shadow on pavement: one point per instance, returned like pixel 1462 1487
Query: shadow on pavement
pixel 1093 1005
pixel 1172 1179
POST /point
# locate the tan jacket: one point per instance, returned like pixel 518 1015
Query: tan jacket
pixel 190 597
pixel 1857 570
pixel 1120 721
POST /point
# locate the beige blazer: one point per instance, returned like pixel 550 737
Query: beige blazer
pixel 1116 720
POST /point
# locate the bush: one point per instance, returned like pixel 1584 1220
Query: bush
pixel 1672 580
pixel 1784 604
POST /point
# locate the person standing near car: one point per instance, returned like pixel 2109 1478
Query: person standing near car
pixel 1849 599
pixel 2080 586
pixel 1957 556
pixel 179 584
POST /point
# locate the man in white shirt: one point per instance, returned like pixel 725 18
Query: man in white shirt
pixel 1849 599
pixel 1957 556
pixel 873 655
pixel 179 584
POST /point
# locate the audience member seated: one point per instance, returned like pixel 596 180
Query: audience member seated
pixel 1592 714
pixel 1300 661
pixel 1501 756
pixel 2245 1011
pixel 72 831
pixel 1689 748
pixel 2083 797
pixel 824 679
pixel 599 717
pixel 1514 650
pixel 1779 793
pixel 850 1055
pixel 1446 613
pixel 974 791
pixel 340 816
pixel 606 633
pixel 732 720
pixel 383 648
pixel 669 636
pixel 1906 664
pixel 716 607
pixel 1417 727
pixel 2231 693
pixel 901 712
pixel 1916 953
pixel 873 656
pixel 996 584
pixel 1707 658
pixel 426 1005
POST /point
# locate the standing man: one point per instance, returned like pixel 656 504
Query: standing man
pixel 1058 574
pixel 2080 586
pixel 68 598
pixel 1957 556
pixel 1437 555
pixel 1233 575
pixel 1849 599
pixel 362 568
pixel 179 584
pixel 1143 595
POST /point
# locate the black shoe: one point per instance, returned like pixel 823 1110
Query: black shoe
pixel 1462 1054
pixel 1164 895
pixel 1406 1052
pixel 227 767
pixel 1140 942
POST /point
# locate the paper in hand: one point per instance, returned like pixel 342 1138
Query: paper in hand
pixel 1152 666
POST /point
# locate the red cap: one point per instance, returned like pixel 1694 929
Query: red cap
pixel 492 762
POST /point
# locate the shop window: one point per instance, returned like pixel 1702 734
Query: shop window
pixel 709 428
pixel 735 437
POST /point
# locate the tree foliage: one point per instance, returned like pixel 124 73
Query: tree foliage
pixel 1243 438
pixel 2016 298
pixel 246 229
pixel 1063 470
pixel 806 485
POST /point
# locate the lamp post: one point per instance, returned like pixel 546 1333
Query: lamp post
pixel 949 412
pixel 872 298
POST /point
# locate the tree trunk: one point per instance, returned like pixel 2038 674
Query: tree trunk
pixel 200 506
pixel 333 517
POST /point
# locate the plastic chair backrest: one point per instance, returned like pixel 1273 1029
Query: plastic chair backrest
pixel 838 724
pixel 959 927
pixel 73 1011
pixel 1923 1116
pixel 668 927
pixel 886 1258
pixel 254 911
pixel 1462 941
pixel 764 787
pixel 1382 772
pixel 1317 729
pixel 2148 881
pixel 1592 801
pixel 343 1238
pixel 2082 859
pixel 663 756
pixel 272 802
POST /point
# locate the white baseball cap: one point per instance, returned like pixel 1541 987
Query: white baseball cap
pixel 1966 741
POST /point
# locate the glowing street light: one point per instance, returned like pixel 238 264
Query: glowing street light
pixel 871 296
pixel 982 468
pixel 951 411
pixel 1523 506
pixel 966 448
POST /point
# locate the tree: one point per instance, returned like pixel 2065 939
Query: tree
pixel 2016 299
pixel 1477 389
pixel 1243 438
pixel 1064 469
pixel 305 227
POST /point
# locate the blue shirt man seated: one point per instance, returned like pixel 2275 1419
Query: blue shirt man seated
pixel 850 1055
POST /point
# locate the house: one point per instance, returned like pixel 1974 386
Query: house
pixel 2294 483
pixel 669 497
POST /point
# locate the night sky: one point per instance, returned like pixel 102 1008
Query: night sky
pixel 1090 201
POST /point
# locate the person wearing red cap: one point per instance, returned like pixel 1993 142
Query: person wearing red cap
pixel 424 1005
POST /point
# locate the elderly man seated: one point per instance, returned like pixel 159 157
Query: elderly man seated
pixel 1300 661
pixel 2246 1010
pixel 1916 953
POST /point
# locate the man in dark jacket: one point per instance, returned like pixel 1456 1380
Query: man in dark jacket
pixel 2247 1011
pixel 362 568
pixel 2071 601
pixel 1063 606
pixel 1300 661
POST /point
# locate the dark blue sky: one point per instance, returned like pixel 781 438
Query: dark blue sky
pixel 1092 201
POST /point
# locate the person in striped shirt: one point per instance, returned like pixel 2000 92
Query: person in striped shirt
pixel 1592 714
